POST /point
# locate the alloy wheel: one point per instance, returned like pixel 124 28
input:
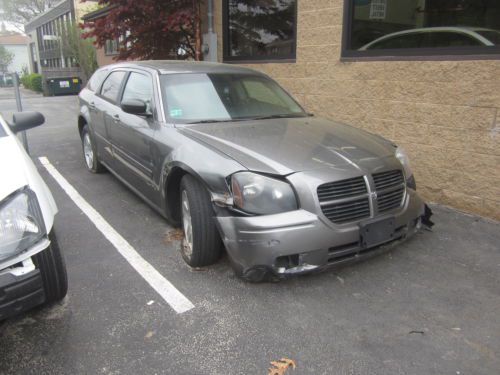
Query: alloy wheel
pixel 88 152
pixel 187 225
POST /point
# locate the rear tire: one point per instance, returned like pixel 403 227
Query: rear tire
pixel 202 244
pixel 52 268
pixel 90 152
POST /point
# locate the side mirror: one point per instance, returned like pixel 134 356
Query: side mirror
pixel 134 107
pixel 22 121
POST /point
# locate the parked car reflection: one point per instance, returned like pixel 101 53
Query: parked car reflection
pixel 436 37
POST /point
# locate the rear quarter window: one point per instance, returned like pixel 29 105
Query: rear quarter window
pixel 96 79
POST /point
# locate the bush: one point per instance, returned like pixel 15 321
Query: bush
pixel 32 82
pixel 36 82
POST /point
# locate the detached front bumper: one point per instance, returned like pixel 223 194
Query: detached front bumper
pixel 21 285
pixel 300 241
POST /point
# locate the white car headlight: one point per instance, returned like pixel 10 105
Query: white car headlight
pixel 402 156
pixel 258 194
pixel 21 223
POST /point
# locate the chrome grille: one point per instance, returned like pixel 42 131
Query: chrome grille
pixel 344 201
pixel 390 187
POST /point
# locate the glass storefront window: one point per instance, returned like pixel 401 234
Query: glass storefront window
pixel 421 27
pixel 259 29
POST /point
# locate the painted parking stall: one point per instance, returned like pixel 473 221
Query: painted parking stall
pixel 157 281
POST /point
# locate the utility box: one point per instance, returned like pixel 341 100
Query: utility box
pixel 64 86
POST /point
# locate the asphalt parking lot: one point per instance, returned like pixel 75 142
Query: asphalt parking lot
pixel 430 306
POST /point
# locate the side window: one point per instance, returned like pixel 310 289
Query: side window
pixel 96 79
pixel 111 86
pixel 139 86
pixel 399 41
pixel 449 39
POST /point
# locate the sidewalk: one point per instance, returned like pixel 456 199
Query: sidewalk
pixel 8 93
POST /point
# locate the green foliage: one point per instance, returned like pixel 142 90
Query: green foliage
pixel 6 58
pixel 82 50
pixel 32 82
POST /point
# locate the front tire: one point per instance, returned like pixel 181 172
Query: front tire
pixel 89 152
pixel 52 268
pixel 202 244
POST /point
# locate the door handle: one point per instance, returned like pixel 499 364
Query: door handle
pixel 92 105
pixel 116 118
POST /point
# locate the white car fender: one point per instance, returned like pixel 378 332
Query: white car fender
pixel 17 170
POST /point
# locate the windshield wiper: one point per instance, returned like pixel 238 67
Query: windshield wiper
pixel 209 121
pixel 287 115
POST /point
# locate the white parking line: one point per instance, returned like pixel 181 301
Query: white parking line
pixel 170 294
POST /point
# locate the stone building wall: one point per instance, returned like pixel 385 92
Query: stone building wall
pixel 446 114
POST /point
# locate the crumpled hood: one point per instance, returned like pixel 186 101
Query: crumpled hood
pixel 12 167
pixel 284 146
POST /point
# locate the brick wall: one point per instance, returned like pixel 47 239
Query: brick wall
pixel 446 114
pixel 102 58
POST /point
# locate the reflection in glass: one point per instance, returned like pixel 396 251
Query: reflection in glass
pixel 261 29
pixel 396 24
pixel 194 97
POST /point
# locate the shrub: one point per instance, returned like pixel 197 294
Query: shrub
pixel 32 82
pixel 36 82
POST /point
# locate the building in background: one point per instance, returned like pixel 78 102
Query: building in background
pixel 17 44
pixel 430 84
pixel 47 55
pixel 422 73
pixel 105 55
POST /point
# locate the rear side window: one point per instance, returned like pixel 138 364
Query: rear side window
pixel 399 41
pixel 111 86
pixel 96 79
pixel 449 39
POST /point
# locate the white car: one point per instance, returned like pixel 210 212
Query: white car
pixel 434 37
pixel 32 269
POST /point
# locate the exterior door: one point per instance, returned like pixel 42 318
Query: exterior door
pixel 132 136
pixel 107 110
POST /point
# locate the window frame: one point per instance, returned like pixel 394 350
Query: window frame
pixel 226 57
pixel 408 54
pixel 124 85
pixel 120 89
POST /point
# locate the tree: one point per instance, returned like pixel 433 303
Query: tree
pixel 6 58
pixel 149 29
pixel 82 50
pixel 20 12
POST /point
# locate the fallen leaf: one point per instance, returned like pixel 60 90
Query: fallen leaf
pixel 173 236
pixel 281 367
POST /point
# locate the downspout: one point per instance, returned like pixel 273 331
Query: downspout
pixel 210 14
pixel 210 38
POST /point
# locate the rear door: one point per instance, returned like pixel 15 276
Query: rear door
pixel 132 135
pixel 106 105
pixel 96 116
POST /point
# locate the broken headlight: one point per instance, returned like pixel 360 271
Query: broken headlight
pixel 21 223
pixel 258 194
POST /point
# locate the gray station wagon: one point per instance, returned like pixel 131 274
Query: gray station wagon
pixel 226 153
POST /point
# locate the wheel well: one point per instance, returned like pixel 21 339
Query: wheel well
pixel 81 123
pixel 172 192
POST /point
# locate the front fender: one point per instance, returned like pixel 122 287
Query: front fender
pixel 206 164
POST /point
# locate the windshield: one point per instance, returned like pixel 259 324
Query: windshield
pixel 192 98
pixel 492 35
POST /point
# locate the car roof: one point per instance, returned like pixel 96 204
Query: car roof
pixel 178 66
